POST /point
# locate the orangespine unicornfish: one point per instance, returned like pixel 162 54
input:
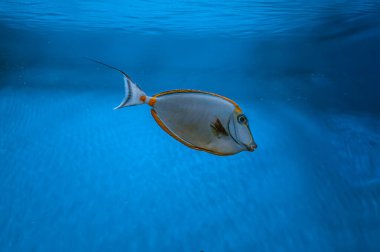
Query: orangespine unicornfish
pixel 200 120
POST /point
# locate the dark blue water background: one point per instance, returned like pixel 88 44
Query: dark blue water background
pixel 76 175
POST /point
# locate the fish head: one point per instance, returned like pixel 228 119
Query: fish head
pixel 239 130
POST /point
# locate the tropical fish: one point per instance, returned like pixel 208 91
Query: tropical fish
pixel 200 120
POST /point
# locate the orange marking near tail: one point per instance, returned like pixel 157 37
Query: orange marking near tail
pixel 143 98
pixel 152 101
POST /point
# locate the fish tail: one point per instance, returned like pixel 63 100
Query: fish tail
pixel 133 93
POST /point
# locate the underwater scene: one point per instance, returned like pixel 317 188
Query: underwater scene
pixel 77 175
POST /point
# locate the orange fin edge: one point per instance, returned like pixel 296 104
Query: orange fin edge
pixel 198 91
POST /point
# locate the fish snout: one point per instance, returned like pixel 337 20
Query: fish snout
pixel 252 147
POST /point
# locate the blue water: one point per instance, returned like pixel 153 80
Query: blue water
pixel 76 175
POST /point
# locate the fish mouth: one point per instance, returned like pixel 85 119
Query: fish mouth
pixel 251 147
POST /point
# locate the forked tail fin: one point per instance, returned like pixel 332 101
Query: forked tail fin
pixel 133 93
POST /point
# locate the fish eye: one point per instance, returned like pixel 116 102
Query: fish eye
pixel 242 119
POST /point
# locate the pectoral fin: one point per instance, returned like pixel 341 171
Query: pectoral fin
pixel 217 128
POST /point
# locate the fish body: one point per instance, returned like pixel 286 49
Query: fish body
pixel 200 120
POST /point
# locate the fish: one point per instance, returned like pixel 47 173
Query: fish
pixel 200 120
